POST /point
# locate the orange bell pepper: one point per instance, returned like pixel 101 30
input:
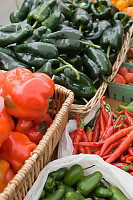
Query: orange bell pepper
pixel 6 174
pixel 131 3
pixel 2 84
pixel 4 130
pixel 23 126
pixel 5 115
pixel 16 149
pixel 121 4
pixel 28 93
pixel 129 11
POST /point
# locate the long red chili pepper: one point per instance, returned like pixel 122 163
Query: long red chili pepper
pixel 131 173
pixel 89 134
pixel 125 120
pixel 122 147
pixel 113 146
pixel 105 157
pixel 110 120
pixel 81 149
pixel 97 150
pixel 123 158
pixel 105 114
pixel 121 112
pixel 130 120
pixel 130 150
pixel 119 134
pixel 102 123
pixel 130 158
pixel 96 131
pixel 73 134
pixel 88 144
pixel 120 165
pixel 88 150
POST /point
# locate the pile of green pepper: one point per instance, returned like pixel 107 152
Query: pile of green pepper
pixel 64 184
pixel 76 41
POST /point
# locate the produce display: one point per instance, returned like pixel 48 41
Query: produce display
pixel 72 184
pixel 76 41
pixel 24 119
pixel 111 138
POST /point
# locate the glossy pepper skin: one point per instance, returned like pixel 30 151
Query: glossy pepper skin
pixel 9 150
pixel 14 17
pixel 6 174
pixel 13 33
pixel 96 63
pixel 117 194
pixel 73 195
pixel 35 54
pixel 4 130
pixel 2 84
pixel 101 8
pixel 84 4
pixel 124 19
pixel 59 174
pixel 58 194
pixel 102 192
pixel 81 88
pixel 34 134
pixel 65 10
pixel 23 126
pixel 23 87
pixel 112 38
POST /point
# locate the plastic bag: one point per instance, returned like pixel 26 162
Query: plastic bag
pixel 112 174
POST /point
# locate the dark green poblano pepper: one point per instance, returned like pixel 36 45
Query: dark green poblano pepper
pixel 84 4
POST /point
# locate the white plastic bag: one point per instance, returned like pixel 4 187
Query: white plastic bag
pixel 65 147
pixel 112 174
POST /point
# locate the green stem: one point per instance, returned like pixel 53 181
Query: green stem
pixel 33 68
pixel 84 99
pixel 67 65
pixel 35 24
pixel 108 51
pixel 92 45
pixel 105 80
pixel 101 7
pixel 118 125
pixel 123 19
pixel 16 2
pixel 80 27
pixel 107 105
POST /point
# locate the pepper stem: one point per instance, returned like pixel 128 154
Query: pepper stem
pixel 80 27
pixel 105 80
pixel 108 51
pixel 35 24
pixel 67 65
pixel 101 7
pixel 85 100
pixel 109 107
pixel 92 45
pixel 118 125
pixel 16 2
pixel 33 68
pixel 82 122
pixel 122 21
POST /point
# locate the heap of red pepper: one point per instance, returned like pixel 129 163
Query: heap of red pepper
pixel 112 138
pixel 24 119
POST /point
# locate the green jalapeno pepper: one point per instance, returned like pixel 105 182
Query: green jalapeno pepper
pixel 102 192
pixel 73 175
pixel 89 183
pixel 57 195
pixel 73 196
pixel 117 194
pixel 59 174
pixel 67 188
pixel 50 185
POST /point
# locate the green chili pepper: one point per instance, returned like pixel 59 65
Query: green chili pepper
pixel 7 62
pixel 57 195
pixel 101 9
pixel 73 175
pixel 13 33
pixel 102 192
pixel 117 194
pixel 89 183
pixel 42 194
pixel 112 38
pixel 50 185
pixel 73 196
pixel 96 62
pixel 126 168
pixel 67 188
pixel 97 30
pixel 84 4
pixel 81 18
pixel 35 54
pixel 124 19
pixel 59 174
pixel 81 88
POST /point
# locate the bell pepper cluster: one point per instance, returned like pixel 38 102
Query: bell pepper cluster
pixel 111 138
pixel 77 41
pixel 24 118
pixel 70 184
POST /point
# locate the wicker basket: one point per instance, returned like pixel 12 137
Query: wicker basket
pixel 82 109
pixel 24 179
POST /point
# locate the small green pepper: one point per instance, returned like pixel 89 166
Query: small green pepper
pixel 57 195
pixel 73 175
pixel 50 185
pixel 14 17
pixel 102 192
pixel 59 174
pixel 67 188
pixel 117 194
pixel 89 183
pixel 73 196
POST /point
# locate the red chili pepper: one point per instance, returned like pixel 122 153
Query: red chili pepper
pixel 97 151
pixel 105 114
pixel 89 134
pixel 110 120
pixel 85 139
pixel 117 121
pixel 130 120
pixel 105 157
pixel 131 173
pixel 89 144
pixel 130 150
pixel 96 131
pixel 123 158
pixel 131 114
pixel 119 134
pixel 73 134
pixel 82 150
pixel 102 123
pixel 113 146
pixel 120 165
pixel 78 136
pixel 78 120
pixel 124 126
pixel 130 158
pixel 120 113
pixel 122 147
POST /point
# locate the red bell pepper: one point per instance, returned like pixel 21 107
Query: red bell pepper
pixel 46 118
pixel 34 134
pixel 28 93
pixel 6 174
pixel 16 149
pixel 2 84
pixel 4 130
pixel 23 126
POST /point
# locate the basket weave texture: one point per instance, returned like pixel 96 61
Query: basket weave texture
pixel 84 109
pixel 26 176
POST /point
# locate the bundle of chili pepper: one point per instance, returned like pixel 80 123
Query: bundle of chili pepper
pixel 112 139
